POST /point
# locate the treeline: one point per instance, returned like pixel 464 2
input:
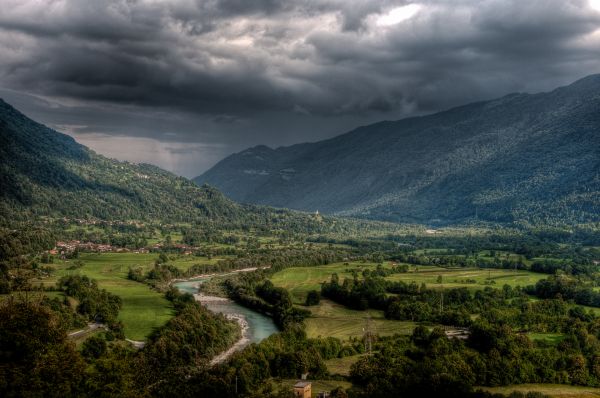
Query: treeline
pixel 24 241
pixel 163 272
pixel 196 236
pixel 17 255
pixel 584 266
pixel 575 244
pixel 280 259
pixel 452 260
pixel 94 303
pixel 187 342
pixel 579 290
pixel 254 291
pixel 454 307
pixel 409 302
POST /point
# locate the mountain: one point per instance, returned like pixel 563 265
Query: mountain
pixel 533 157
pixel 46 173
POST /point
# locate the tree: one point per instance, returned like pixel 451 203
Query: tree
pixel 338 392
pixel 313 298
pixel 93 347
pixel 162 259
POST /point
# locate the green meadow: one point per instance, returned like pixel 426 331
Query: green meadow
pixel 299 280
pixel 143 308
pixel 329 319
pixel 552 338
pixel 472 278
pixel 341 366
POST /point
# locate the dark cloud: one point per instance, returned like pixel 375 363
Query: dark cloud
pixel 209 77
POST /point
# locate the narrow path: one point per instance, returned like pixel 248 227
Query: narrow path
pixel 136 344
pixel 90 328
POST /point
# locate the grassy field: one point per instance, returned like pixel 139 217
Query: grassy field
pixel 553 338
pixel 331 319
pixel 299 280
pixel 553 390
pixel 472 278
pixel 341 366
pixel 143 309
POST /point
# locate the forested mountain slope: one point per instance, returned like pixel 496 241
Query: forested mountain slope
pixel 46 173
pixel 521 157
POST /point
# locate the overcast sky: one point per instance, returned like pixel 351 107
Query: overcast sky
pixel 183 83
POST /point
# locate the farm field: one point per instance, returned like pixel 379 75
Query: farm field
pixel 143 308
pixel 335 320
pixel 552 390
pixel 331 319
pixel 341 366
pixel 553 338
pixel 299 280
pixel 472 278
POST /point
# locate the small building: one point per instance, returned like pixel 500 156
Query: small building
pixel 302 389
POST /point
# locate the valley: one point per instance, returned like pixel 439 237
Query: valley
pixel 124 280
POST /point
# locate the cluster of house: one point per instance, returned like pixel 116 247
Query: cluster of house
pixel 63 248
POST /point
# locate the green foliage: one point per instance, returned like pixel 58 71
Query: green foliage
pixel 313 298
pixel 253 291
pixel 98 305
pixel 36 359
pixel 186 342
pixel 45 173
pixel 567 287
pixel 93 347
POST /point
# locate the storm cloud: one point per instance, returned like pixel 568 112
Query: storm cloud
pixel 182 83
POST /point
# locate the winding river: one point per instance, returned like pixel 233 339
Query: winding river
pixel 255 326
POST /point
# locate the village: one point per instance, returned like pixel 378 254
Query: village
pixel 65 249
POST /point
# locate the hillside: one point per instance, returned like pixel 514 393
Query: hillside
pixel 46 173
pixel 533 157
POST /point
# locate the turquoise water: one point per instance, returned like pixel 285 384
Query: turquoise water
pixel 259 326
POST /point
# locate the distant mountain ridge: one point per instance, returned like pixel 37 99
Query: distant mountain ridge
pixel 532 157
pixel 46 173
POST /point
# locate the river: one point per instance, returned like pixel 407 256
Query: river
pixel 259 326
